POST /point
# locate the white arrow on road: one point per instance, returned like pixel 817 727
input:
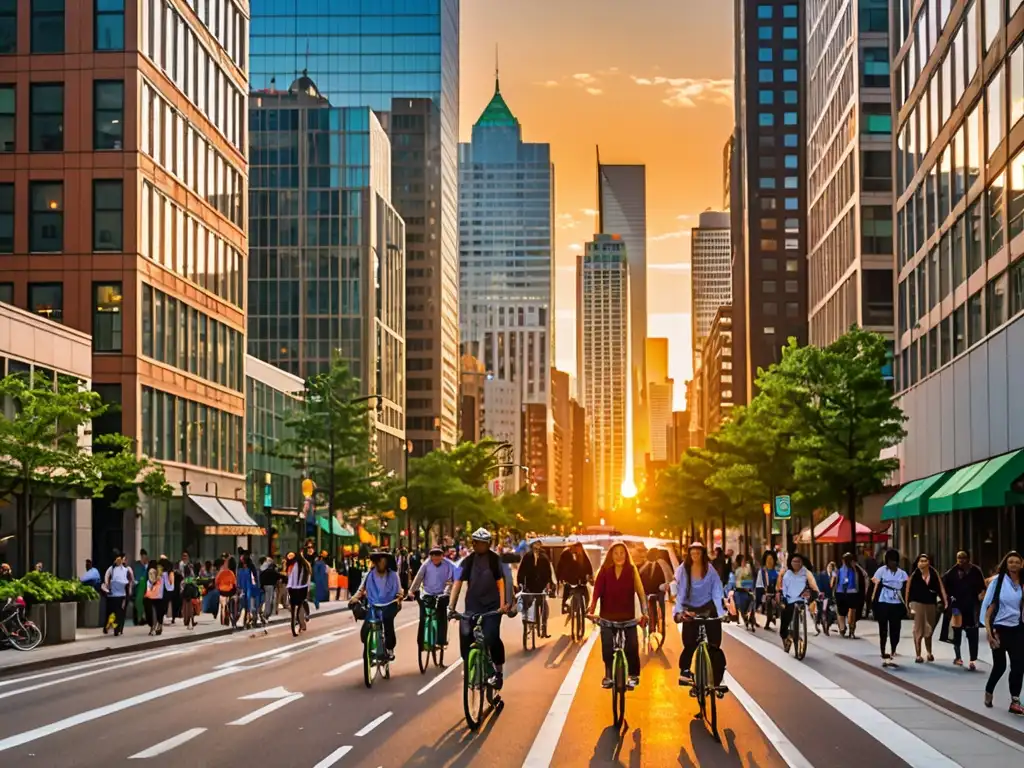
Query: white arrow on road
pixel 273 693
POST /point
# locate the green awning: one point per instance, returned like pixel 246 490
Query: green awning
pixel 916 502
pixel 891 510
pixel 944 499
pixel 990 486
pixel 326 523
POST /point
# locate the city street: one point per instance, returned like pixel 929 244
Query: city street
pixel 301 702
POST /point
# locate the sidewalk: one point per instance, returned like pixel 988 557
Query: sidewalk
pixel 93 644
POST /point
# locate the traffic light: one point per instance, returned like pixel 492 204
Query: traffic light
pixel 767 508
pixel 403 503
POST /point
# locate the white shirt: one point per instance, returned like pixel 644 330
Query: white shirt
pixel 890 584
pixel 794 584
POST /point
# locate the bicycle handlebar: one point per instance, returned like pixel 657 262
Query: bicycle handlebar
pixel 384 605
pixel 533 594
pixel 475 616
pixel 614 624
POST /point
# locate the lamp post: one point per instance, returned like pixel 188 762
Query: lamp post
pixel 268 503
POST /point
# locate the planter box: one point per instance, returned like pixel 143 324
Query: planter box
pixel 89 613
pixel 37 615
pixel 61 621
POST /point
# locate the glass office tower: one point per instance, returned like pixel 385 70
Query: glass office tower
pixel 398 57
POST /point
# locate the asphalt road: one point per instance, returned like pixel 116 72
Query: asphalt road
pixel 278 701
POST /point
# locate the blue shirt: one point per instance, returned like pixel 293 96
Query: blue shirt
pixel 794 584
pixel 1008 614
pixel 707 590
pixel 847 580
pixel 434 578
pixel 381 589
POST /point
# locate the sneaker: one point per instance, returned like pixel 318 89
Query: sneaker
pixel 495 682
pixel 391 655
pixel 787 644
pixel 1016 708
pixel 686 678
pixel 842 632
pixel 972 667
pixel 632 682
pixel 606 683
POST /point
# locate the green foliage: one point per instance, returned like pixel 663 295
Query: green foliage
pixel 42 587
pixel 527 512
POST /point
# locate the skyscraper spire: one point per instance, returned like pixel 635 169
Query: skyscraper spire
pixel 497 88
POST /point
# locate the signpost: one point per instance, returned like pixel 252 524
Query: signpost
pixel 783 511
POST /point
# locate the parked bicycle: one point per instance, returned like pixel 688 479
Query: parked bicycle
pixel 577 610
pixel 376 659
pixel 430 648
pixel 704 688
pixel 15 630
pixel 478 673
pixel 534 605
pixel 620 665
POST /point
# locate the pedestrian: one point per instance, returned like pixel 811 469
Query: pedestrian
pixel 888 605
pixel 321 590
pixel 850 586
pixel 153 600
pixel 965 585
pixel 924 591
pixel 764 591
pixel 226 586
pixel 826 581
pixel 117 586
pixel 190 602
pixel 172 594
pixel 91 576
pixel 1002 612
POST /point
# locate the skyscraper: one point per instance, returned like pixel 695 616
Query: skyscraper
pixel 401 59
pixel 604 360
pixel 849 166
pixel 622 210
pixel 769 187
pixel 710 275
pixel 123 193
pixel 659 398
pixel 327 259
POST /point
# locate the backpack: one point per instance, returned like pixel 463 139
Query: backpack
pixel 467 566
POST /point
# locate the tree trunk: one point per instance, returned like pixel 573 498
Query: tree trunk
pixel 21 534
pixel 851 515
pixel 723 533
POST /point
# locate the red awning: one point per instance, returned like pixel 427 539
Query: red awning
pixel 839 533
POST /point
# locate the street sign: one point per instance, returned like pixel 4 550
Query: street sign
pixel 782 508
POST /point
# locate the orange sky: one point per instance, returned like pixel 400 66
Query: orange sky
pixel 651 82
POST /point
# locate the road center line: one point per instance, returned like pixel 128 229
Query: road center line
pixel 334 757
pixel 167 746
pixel 546 742
pixel 373 724
pixel 271 707
pixel 440 677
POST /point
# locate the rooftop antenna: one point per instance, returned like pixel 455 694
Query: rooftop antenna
pixel 496 86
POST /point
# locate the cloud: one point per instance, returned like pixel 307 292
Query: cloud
pixel 590 211
pixel 575 247
pixel 686 216
pixel 566 221
pixel 585 77
pixel 549 83
pixel 672 235
pixel 685 92
pixel 594 91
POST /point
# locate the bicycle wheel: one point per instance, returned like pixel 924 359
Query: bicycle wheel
pixel 711 697
pixel 368 655
pixel 799 633
pixel 427 644
pixel 619 688
pixel 438 654
pixel 700 682
pixel 526 634
pixel 659 633
pixel 295 621
pixel 28 638
pixel 473 689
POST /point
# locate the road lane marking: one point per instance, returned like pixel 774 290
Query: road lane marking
pixel 273 693
pixel 786 749
pixel 903 743
pixel 334 757
pixel 343 668
pixel 121 705
pixel 103 665
pixel 373 724
pixel 167 746
pixel 272 707
pixel 299 644
pixel 440 677
pixel 546 742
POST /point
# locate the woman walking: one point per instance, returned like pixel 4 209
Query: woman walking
pixel 764 592
pixel 850 585
pixel 620 590
pixel 889 609
pixel 1002 611
pixel 153 601
pixel 965 585
pixel 923 591
pixel 299 576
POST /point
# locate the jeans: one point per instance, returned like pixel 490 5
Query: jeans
pixel 1010 646
pixel 492 637
pixel 441 609
pixel 786 620
pixel 889 617
pixel 388 617
pixel 632 650
pixel 269 604
pixel 691 633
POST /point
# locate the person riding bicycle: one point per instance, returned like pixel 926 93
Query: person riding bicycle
pixel 574 567
pixel 655 579
pixel 617 583
pixel 535 576
pixel 434 577
pixel 699 594
pixel 744 593
pixel 795 583
pixel 764 585
pixel 381 586
pixel 482 573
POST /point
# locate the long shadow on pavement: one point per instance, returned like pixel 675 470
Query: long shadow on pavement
pixel 609 745
pixel 707 753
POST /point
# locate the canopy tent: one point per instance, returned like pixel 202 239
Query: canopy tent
pixel 327 523
pixel 805 535
pixel 838 532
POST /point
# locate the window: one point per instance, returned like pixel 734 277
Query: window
pixel 766 162
pixel 147 320
pixel 767 203
pixel 6 117
pixel 791 182
pixel 792 309
pixel 765 76
pixel 789 118
pixel 789 140
pixel 8 26
pixel 766 183
pixel 764 12
pixel 994 206
pixel 768 244
pixel 46 217
pixel 874 72
pixel 994 115
pixel 1015 205
pixel 790 54
pixel 767 286
pixel 47 26
pixel 789 12
pixel 974 249
pixel 108 25
pixel 1016 287
pixel 106 317
pixel 766 98
pixel 108 114
pixel 766 119
pixel 769 223
pixel 792 204
pixel 47 299
pixel 874 15
pixel 1015 75
pixel 792 286
pixel 792 265
pixel 764 33
pixel 770 308
pixel 764 55
pixel 789 75
pixel 46 119
pixel 959 330
pixel 791 161
pixel 108 215
pixel 789 33
pixel 992 20
pixel 876 118
pixel 944 267
pixel 877 169
pixel 957 255
pixel 7 218
pixel 7 293
pixel 789 97
pixel 995 301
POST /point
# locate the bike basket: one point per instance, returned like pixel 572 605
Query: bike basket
pixel 359 611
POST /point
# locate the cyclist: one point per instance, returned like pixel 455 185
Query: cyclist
pixel 574 567
pixel 764 590
pixel 482 573
pixel 299 575
pixel 744 583
pixel 535 576
pixel 699 594
pixel 381 585
pixel 435 577
pixel 617 583
pixel 655 582
pixel 795 583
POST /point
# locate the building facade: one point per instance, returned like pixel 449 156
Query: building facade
pixel 769 186
pixel 659 399
pixel 679 436
pixel 710 274
pixel 716 373
pixel 958 88
pixel 125 193
pixel 584 508
pixel 561 485
pixel 849 166
pixel 402 61
pixel 471 396
pixel 604 360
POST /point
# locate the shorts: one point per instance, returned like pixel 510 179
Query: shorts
pixel 849 601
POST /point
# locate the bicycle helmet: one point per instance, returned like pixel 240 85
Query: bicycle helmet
pixel 482 534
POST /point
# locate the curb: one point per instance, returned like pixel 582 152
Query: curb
pixel 163 642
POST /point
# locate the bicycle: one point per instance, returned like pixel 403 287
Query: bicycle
pixel 15 630
pixel 577 610
pixel 531 628
pixel 825 616
pixel 478 672
pixel 654 629
pixel 376 658
pixel 429 648
pixel 254 619
pixel 750 614
pixel 770 599
pixel 798 629
pixel 620 665
pixel 703 687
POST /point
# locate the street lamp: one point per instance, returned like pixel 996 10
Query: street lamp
pixel 268 503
